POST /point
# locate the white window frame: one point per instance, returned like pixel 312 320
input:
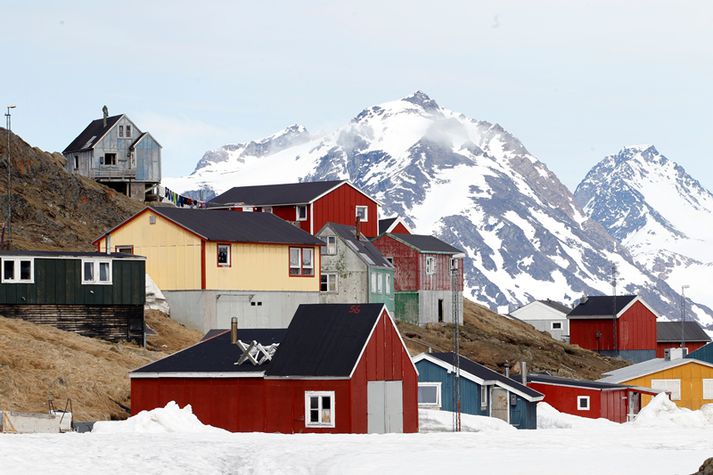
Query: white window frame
pixel 666 385
pixel 267 209
pixel 430 265
pixel 297 213
pixel 387 284
pixel 301 262
pixel 454 263
pixel 96 264
pixel 379 283
pixel 552 326
pixel 331 278
pixel 707 388
pixel 373 282
pixel 320 395
pixel 331 248
pixel 127 131
pixel 429 384
pixel 366 213
pixel 16 270
pixel 583 399
pixel 483 397
pixel 217 254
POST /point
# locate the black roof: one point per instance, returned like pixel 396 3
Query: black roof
pixel 384 224
pixel 215 354
pixel 325 340
pixel 601 305
pixel 285 194
pixel 556 305
pixel 671 331
pixel 484 373
pixel 362 246
pixel 579 383
pixel 95 129
pixel 234 226
pixel 426 243
pixel 31 253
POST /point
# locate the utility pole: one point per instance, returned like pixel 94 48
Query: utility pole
pixel 456 345
pixel 614 332
pixel 683 314
pixel 8 222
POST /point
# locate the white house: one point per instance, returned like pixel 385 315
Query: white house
pixel 546 315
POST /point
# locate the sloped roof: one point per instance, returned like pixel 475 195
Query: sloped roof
pixel 215 354
pixel 646 367
pixel 68 254
pixel 579 383
pixel 283 194
pixel 363 247
pixel 425 243
pixel 556 305
pixel 671 331
pixel 94 131
pixel 601 306
pixel 234 226
pixel 325 340
pixel 385 224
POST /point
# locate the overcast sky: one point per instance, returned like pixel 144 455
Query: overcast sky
pixel 573 80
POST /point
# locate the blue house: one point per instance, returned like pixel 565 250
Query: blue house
pixel 483 392
pixel 705 354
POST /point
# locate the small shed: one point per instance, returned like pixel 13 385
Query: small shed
pixel 547 316
pixel 483 392
pixel 674 334
pixel 338 368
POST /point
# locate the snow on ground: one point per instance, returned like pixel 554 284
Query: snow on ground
pixel 135 446
pixel 432 420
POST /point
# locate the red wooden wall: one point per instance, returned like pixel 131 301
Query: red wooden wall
pixel 583 332
pixel 441 279
pixel 692 346
pixel 406 262
pixel 564 398
pixel 636 330
pixel 339 207
pixel 400 229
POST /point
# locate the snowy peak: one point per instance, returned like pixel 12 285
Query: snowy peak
pixel 421 99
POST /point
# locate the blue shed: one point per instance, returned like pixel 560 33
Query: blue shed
pixel 483 392
pixel 705 354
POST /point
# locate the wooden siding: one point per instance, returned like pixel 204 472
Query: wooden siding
pixel 441 278
pixel 399 229
pixel 564 399
pixel 406 263
pixel 692 346
pixel 636 330
pixel 406 307
pixel 339 206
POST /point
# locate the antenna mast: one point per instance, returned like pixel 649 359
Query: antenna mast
pixel 614 333
pixel 456 345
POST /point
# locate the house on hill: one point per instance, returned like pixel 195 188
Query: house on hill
pixel 622 325
pixel 428 276
pixel 674 334
pixel 115 152
pixel 215 265
pixel 308 205
pixel 394 225
pixel 483 392
pixel 353 270
pixel 547 316
pixel 336 369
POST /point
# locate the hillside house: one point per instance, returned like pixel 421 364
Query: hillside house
pixel 394 225
pixel 674 334
pixel 623 326
pixel 309 205
pixel 94 294
pixel 336 369
pixel 353 270
pixel 215 265
pixel 428 276
pixel 483 392
pixel 115 152
pixel 547 316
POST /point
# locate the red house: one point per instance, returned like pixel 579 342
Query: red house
pixel 338 368
pixel 623 326
pixel 593 399
pixel 673 334
pixel 394 225
pixel 310 205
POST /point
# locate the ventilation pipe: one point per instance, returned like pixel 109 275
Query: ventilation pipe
pixel 357 225
pixel 507 369
pixel 523 371
pixel 233 330
pixel 105 115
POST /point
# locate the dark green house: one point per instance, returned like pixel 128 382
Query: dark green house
pixel 90 293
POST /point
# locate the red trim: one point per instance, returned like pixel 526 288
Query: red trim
pixel 116 248
pixel 98 243
pixel 128 220
pixel 315 252
pixel 230 255
pixel 203 277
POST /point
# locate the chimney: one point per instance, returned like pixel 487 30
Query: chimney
pixel 357 228
pixel 507 369
pixel 105 114
pixel 233 330
pixel 523 371
pixel 430 350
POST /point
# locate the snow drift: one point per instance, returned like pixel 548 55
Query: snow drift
pixel 662 412
pixel 157 421
pixel 433 420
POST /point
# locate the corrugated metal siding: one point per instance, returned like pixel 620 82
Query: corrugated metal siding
pixel 704 354
pixel 339 206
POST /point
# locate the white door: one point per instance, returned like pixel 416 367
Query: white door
pixel 385 411
pixel 499 404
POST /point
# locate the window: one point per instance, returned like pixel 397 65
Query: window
pixel 429 394
pixel 362 212
pixel 223 255
pixel 390 260
pixel 301 261
pixel 319 408
pixel 331 248
pixel 328 283
pixel 128 131
pixel 671 386
pixel 152 219
pixel 248 209
pixel 373 282
pixel 387 285
pixel 96 271
pixel 379 283
pixel 124 249
pixel 109 159
pixel 430 265
pixel 707 388
pixel 582 403
pixel 556 325
pixel 267 209
pixel 121 131
pixel 301 213
pixel 76 162
pixel 483 397
pixel 18 270
pixel 454 263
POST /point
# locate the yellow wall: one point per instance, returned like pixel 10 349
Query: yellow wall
pixel 691 376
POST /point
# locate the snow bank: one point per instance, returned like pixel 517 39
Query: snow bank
pixel 662 412
pixel 155 300
pixel 432 420
pixel 157 421
pixel 550 418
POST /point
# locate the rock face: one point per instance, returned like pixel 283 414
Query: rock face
pixel 468 181
pixel 661 215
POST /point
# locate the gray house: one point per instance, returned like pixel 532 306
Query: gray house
pixel 115 152
pixel 546 315
pixel 353 269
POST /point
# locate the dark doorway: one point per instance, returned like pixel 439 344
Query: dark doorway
pixel 440 310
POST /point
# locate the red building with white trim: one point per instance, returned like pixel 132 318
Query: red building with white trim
pixel 673 334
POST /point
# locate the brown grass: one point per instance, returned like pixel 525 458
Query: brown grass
pixel 171 336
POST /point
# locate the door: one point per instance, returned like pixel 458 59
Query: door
pixel 385 407
pixel 440 310
pixel 499 404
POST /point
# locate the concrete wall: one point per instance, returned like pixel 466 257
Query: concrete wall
pixel 35 423
pixel 352 273
pixel 428 306
pixel 546 326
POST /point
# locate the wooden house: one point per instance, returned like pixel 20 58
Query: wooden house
pixel 115 152
pixel 547 316
pixel 675 334
pixel 353 270
pixel 393 225
pixel 309 205
pixel 688 381
pixel 704 353
pixel 215 265
pixel 483 392
pixel 93 294
pixel 592 399
pixel 427 274
pixel 623 326
pixel 336 369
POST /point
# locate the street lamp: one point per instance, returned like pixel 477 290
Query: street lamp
pixel 683 313
pixel 9 179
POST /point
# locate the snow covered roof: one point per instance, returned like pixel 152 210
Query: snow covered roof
pixel 644 368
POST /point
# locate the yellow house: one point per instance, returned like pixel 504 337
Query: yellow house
pixel 213 265
pixel 689 382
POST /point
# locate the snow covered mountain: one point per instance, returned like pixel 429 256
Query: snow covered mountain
pixel 658 212
pixel 468 181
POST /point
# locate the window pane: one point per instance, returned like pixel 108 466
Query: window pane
pixel 128 131
pixel 427 395
pixel 333 282
pixel 331 245
pixel 294 261
pixel 388 283
pixel 25 270
pixel 301 213
pixel 8 270
pixel 89 271
pixel 324 284
pixel 326 402
pixel 223 255
pixel 314 415
pixel 314 402
pixel 373 283
pixel 104 272
pixel 307 268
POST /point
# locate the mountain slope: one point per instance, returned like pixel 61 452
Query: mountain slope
pixel 470 182
pixel 660 213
